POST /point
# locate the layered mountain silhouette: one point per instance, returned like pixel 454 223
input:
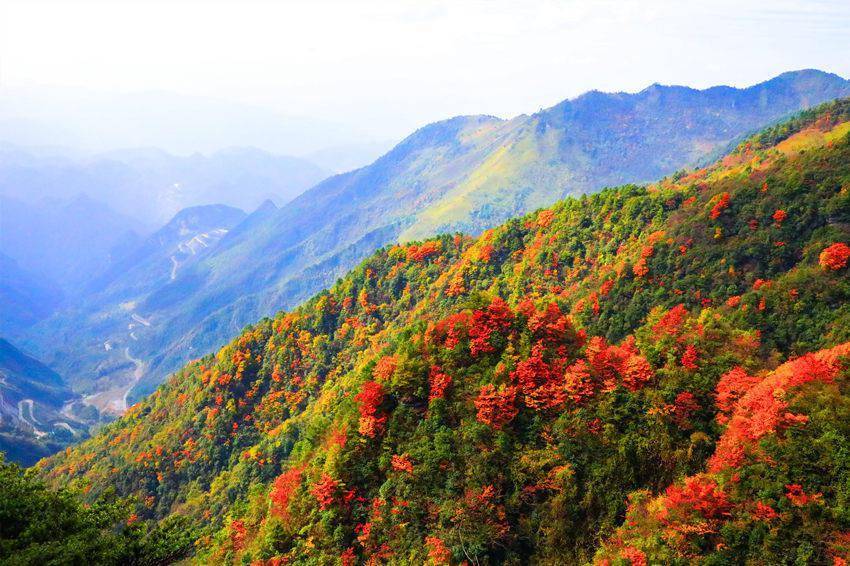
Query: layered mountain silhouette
pixel 467 173
pixel 151 185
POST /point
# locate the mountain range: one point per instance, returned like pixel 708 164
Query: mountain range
pixel 151 185
pixel 468 173
pixel 649 374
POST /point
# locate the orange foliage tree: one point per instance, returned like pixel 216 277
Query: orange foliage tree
pixel 835 257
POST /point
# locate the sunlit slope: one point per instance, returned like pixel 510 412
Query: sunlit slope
pixel 498 399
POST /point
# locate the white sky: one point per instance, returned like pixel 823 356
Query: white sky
pixel 386 67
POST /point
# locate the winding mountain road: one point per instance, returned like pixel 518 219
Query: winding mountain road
pixel 32 421
pixel 29 403
pixel 138 372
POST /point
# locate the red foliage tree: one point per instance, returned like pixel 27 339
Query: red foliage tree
pixel 482 512
pixel 699 501
pixel 497 317
pixel 485 253
pixel 437 551
pixel 764 512
pixel 368 401
pixel 636 372
pixel 385 368
pixel 402 463
pixel 541 384
pixel 451 330
pixel 732 385
pixel 604 362
pixel 672 321
pixel 578 382
pixel 283 488
pixel 624 362
pixel 779 216
pixel 325 491
pixel 635 556
pixel 690 357
pixel 684 407
pixel 237 534
pixel 438 382
pixel 799 498
pixel 720 205
pixel 763 409
pixel 423 252
pixel 550 326
pixel 835 257
pixel 496 407
pixel 544 218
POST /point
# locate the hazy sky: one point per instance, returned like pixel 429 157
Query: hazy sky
pixel 386 67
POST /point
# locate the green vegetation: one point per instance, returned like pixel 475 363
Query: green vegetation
pixel 39 526
pixel 611 379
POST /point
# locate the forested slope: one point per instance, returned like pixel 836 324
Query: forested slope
pixel 506 399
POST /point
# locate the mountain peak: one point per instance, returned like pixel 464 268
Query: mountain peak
pixel 266 205
pixel 829 86
pixel 205 216
pixel 811 73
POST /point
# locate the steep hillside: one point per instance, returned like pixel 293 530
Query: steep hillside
pixel 467 173
pixel 501 399
pixel 33 423
pixel 775 488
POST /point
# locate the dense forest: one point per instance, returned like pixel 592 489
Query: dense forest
pixel 649 374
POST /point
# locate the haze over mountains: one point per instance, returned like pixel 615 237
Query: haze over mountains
pixel 137 302
pixel 151 185
pixel 466 173
pixel 66 217
pixel 97 122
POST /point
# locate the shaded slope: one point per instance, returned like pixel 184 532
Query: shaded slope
pixel 32 398
pixel 26 299
pixel 152 185
pixel 65 242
